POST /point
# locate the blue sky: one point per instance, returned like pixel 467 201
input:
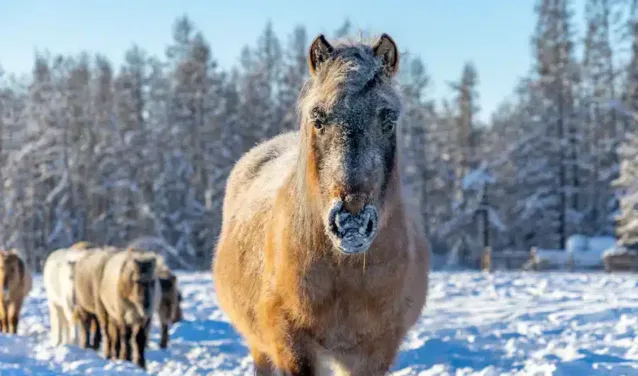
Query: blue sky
pixel 494 34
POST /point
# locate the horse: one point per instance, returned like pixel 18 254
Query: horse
pixel 88 279
pixel 16 282
pixel 58 276
pixel 129 295
pixel 168 309
pixel 320 263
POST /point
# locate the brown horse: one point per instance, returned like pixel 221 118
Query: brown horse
pixel 129 295
pixel 88 279
pixel 319 262
pixel 168 309
pixel 16 282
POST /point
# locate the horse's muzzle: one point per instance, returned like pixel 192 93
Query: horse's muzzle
pixel 352 234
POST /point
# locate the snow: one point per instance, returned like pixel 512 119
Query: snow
pixel 584 252
pixel 588 252
pixel 477 178
pixel 507 323
pixel 601 243
pixel 577 243
pixel 593 256
pixel 618 251
pixel 552 257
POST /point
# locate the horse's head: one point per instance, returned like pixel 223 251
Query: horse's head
pixel 138 280
pixel 349 109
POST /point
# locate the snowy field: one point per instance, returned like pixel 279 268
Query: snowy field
pixel 475 324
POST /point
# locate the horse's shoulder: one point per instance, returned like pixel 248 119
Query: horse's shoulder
pixel 253 162
pixel 259 173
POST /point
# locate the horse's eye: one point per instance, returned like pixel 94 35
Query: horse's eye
pixel 318 118
pixel 388 120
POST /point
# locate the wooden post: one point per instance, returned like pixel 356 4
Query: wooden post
pixel 570 262
pixel 486 259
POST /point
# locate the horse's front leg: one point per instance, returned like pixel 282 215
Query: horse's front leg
pixel 126 332
pixel 373 358
pixel 139 344
pixel 116 339
pixel 95 331
pixel 290 354
pixel 4 317
pixel 164 338
pixel 85 333
pixel 14 316
pixel 104 323
pixel 262 364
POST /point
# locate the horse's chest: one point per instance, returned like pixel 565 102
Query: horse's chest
pixel 348 325
pixel 351 315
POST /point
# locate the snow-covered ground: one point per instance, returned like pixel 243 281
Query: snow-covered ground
pixel 475 323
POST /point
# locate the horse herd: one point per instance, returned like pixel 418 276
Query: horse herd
pixel 94 293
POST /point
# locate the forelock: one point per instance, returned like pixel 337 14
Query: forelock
pixel 353 67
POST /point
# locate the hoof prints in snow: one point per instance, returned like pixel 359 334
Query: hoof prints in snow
pixel 475 323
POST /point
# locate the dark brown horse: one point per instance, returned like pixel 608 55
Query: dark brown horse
pixel 319 263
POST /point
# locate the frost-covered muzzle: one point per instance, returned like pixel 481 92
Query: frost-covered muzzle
pixel 352 234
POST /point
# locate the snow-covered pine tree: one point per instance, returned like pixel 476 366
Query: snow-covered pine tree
pixel 602 131
pixel 557 75
pixel 627 181
pixel 461 228
pixel 627 184
pixel 417 121
pixel 295 72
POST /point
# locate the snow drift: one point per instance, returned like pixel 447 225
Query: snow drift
pixel 507 323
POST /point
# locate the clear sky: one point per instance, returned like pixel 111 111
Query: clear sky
pixel 494 34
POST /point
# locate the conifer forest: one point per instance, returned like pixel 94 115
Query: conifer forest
pixel 141 152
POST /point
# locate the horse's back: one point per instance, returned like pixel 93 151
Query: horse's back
pixel 88 277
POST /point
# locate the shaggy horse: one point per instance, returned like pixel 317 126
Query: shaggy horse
pixel 168 309
pixel 129 295
pixel 58 276
pixel 320 264
pixel 88 279
pixel 16 283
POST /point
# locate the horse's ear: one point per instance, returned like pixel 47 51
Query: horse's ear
pixel 320 51
pixel 387 50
